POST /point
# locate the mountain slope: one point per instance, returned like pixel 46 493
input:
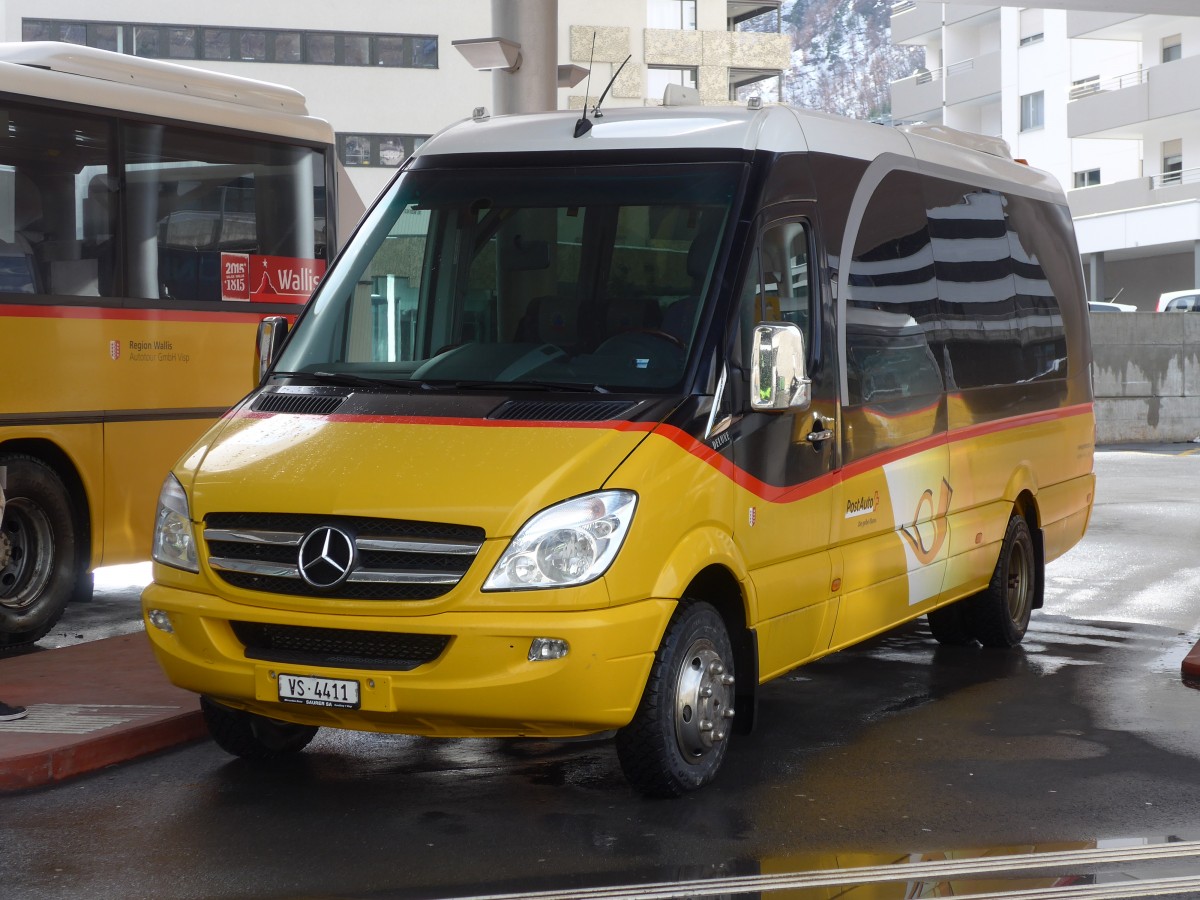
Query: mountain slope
pixel 843 59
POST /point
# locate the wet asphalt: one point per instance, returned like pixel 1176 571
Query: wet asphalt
pixel 1084 737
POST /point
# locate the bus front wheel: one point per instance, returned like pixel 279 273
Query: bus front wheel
pixel 38 551
pixel 679 734
pixel 254 737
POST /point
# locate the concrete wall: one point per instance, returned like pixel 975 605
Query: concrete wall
pixel 1146 376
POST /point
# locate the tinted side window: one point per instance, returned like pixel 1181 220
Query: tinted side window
pixel 201 208
pixel 56 218
pixel 892 303
pixel 1001 320
pixel 778 286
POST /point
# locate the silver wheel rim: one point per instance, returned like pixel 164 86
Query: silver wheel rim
pixel 27 551
pixel 703 701
pixel 1019 589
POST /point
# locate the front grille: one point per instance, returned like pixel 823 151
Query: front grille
pixel 337 648
pixel 396 559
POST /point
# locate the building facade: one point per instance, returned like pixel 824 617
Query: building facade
pixel 386 75
pixel 1099 99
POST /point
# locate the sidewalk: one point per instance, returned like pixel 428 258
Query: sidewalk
pixel 90 706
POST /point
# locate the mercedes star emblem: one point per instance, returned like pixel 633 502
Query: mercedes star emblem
pixel 327 557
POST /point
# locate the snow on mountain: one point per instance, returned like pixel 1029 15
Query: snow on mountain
pixel 843 59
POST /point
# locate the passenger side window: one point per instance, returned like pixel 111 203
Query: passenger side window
pixel 56 225
pixel 779 286
pixel 892 302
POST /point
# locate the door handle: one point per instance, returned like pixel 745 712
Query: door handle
pixel 822 429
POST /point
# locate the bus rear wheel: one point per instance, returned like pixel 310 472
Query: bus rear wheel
pixel 38 551
pixel 999 615
pixel 679 734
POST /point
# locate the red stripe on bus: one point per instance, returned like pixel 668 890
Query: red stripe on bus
pixel 706 454
pixel 104 313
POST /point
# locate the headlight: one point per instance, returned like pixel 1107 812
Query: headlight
pixel 572 543
pixel 174 539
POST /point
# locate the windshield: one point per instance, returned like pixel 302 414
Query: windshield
pixel 584 278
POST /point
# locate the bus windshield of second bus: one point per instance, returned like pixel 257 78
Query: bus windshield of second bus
pixel 150 216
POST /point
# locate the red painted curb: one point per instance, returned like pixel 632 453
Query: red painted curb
pixel 91 705
pixel 57 764
pixel 1191 667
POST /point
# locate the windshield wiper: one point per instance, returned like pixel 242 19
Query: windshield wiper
pixel 517 386
pixel 348 378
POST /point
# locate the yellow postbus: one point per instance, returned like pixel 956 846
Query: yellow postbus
pixel 150 216
pixel 597 429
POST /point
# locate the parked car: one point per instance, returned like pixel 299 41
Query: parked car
pixel 1180 301
pixel 1108 306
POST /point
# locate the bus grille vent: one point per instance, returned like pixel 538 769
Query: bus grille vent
pixel 338 648
pixel 542 411
pixel 393 559
pixel 303 404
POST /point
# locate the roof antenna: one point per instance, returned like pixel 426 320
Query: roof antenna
pixel 583 126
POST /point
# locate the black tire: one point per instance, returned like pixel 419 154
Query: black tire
pixel 251 736
pixel 40 547
pixel 999 615
pixel 679 734
pixel 948 626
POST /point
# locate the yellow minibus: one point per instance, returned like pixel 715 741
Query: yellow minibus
pixel 596 430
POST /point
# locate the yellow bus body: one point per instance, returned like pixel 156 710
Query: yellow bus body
pixel 860 581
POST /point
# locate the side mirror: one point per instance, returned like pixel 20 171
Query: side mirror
pixel 271 332
pixel 778 379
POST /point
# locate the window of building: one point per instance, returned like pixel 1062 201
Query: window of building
pixel 1033 111
pixel 658 77
pixel 1172 162
pixel 759 16
pixel 1033 29
pixel 1172 48
pixel 1087 178
pixel 243 44
pixel 386 151
pixel 673 14
pixel 747 83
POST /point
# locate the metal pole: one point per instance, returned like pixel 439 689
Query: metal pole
pixel 534 86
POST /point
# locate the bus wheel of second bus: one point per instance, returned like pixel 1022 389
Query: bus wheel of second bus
pixel 679 734
pixel 37 551
pixel 999 615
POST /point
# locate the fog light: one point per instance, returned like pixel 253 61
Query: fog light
pixel 548 648
pixel 160 620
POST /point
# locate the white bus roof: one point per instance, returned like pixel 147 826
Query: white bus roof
pixel 116 81
pixel 770 128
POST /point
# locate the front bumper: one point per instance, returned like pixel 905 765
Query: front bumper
pixel 481 685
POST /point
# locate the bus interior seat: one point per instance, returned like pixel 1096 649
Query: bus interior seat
pixel 549 319
pixel 679 319
pixel 19 273
pixel 624 315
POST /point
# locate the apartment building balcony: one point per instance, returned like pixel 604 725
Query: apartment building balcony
pixel 915 23
pixel 1136 193
pixel 1111 26
pixel 960 12
pixel 1155 215
pixel 918 98
pixel 1119 107
pixel 973 81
